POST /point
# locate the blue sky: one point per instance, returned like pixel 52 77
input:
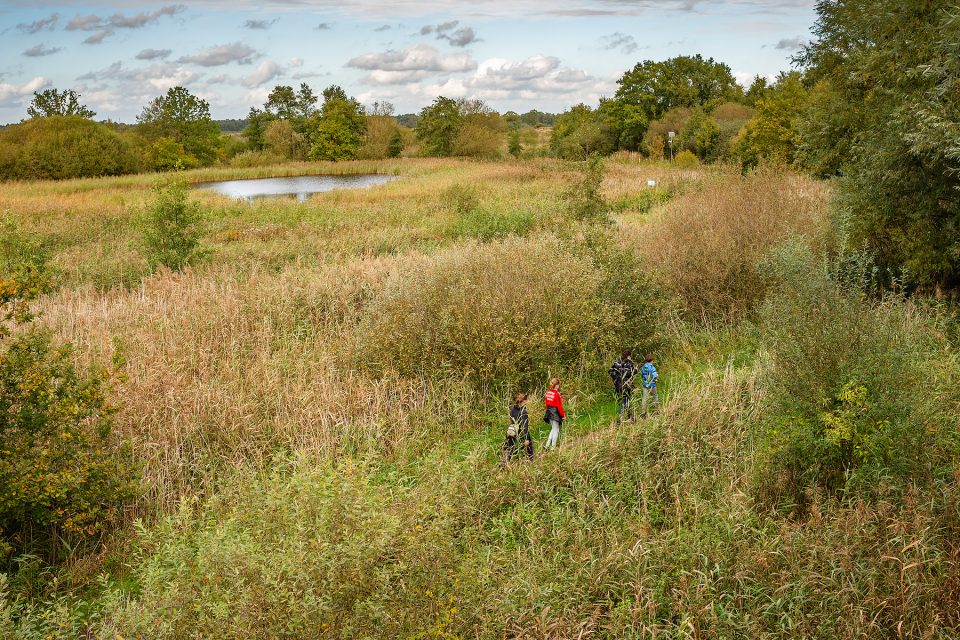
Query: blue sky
pixel 518 55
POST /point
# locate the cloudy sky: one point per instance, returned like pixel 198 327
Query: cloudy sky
pixel 516 54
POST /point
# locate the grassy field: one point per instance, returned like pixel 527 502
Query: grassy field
pixel 318 403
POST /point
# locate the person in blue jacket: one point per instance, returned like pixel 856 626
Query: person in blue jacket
pixel 649 375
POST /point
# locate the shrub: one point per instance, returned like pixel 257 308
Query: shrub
pixel 252 158
pixel 584 201
pixel 512 311
pixel 862 391
pixel 59 477
pixel 473 221
pixel 61 147
pixel 686 160
pixel 172 227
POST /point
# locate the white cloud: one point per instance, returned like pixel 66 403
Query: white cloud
pixel 222 54
pixel 264 73
pixel 413 63
pixel 153 54
pixel 103 26
pixel 44 24
pixel 790 44
pixel 620 41
pixel 12 95
pixel 260 24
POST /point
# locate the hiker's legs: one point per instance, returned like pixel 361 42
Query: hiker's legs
pixel 624 405
pixel 527 445
pixel 649 397
pixel 508 448
pixel 554 436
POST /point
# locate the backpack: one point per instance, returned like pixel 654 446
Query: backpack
pixel 618 371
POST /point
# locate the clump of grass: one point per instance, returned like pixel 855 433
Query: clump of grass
pixel 501 312
pixel 707 242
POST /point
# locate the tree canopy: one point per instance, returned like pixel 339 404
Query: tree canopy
pixel 684 81
pixel 885 116
pixel 179 126
pixel 51 102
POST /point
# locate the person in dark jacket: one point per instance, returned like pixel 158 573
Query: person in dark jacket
pixel 518 432
pixel 554 415
pixel 623 372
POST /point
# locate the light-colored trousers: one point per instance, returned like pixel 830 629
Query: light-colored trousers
pixel 649 395
pixel 554 437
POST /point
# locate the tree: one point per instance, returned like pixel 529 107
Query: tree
pixel 579 133
pixel 438 126
pixel 684 81
pixel 758 89
pixel 172 231
pixel 286 104
pixel 481 133
pixel 183 119
pixel 395 149
pixel 772 135
pixel 338 133
pixel 513 144
pixel 256 130
pixel 700 136
pixel 885 113
pixel 51 102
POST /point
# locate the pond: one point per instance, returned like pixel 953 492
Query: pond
pixel 299 187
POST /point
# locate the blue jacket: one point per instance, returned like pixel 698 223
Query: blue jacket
pixel 649 374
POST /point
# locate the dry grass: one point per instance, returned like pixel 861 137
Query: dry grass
pixel 707 243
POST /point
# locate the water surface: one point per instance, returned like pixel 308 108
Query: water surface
pixel 299 187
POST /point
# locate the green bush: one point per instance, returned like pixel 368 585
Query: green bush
pixel 60 477
pixel 172 231
pixel 863 391
pixel 584 201
pixel 61 147
pixel 510 311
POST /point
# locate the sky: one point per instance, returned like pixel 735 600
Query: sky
pixel 518 55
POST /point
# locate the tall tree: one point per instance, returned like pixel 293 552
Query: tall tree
pixel 338 132
pixel 773 133
pixel 684 81
pixel 885 115
pixel 51 102
pixel 438 126
pixel 179 125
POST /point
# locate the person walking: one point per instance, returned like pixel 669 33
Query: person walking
pixel 649 375
pixel 622 372
pixel 518 431
pixel 554 415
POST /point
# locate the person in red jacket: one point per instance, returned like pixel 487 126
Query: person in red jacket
pixel 554 415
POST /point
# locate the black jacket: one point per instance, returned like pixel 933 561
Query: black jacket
pixel 518 415
pixel 622 372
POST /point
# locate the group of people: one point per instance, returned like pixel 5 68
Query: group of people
pixel 623 372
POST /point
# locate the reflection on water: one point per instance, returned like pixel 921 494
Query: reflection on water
pixel 299 187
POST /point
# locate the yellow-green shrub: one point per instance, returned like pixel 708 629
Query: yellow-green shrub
pixel 513 310
pixel 59 147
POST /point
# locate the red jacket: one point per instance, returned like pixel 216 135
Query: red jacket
pixel 553 399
